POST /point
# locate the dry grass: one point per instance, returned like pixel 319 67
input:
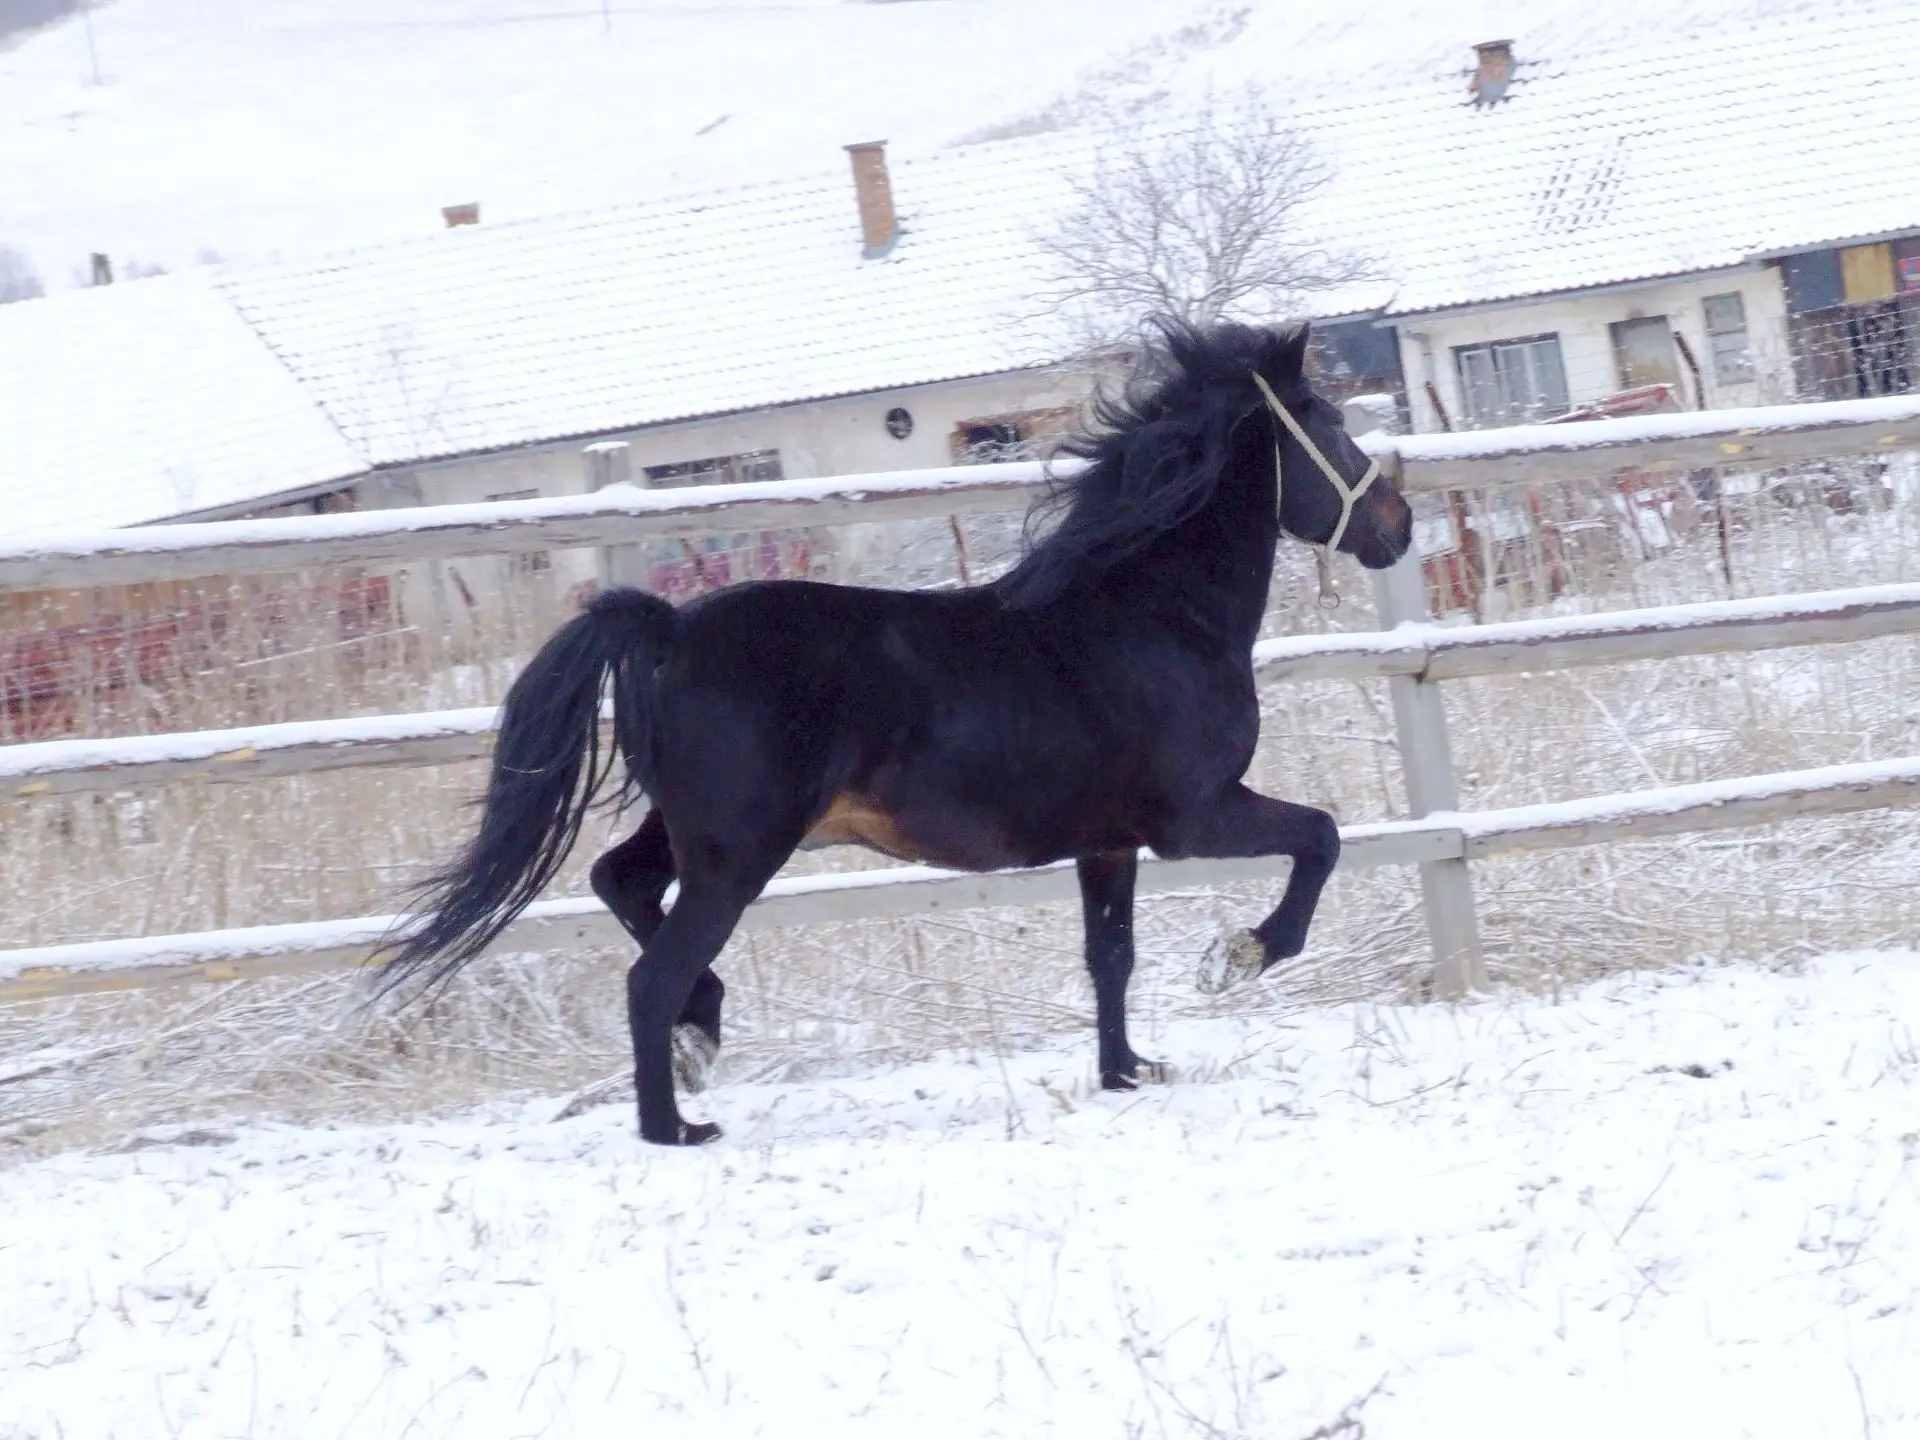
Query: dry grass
pixel 312 848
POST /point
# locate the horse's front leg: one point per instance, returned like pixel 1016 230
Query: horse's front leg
pixel 1239 824
pixel 1106 899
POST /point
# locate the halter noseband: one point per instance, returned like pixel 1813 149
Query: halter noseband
pixel 1349 494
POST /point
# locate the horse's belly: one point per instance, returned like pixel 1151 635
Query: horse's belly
pixel 852 821
pixel 949 841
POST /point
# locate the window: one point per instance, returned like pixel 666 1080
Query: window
pixel 527 562
pixel 1727 339
pixel 1022 435
pixel 1880 350
pixel 1643 349
pixel 1867 273
pixel 984 441
pixel 1512 380
pixel 719 469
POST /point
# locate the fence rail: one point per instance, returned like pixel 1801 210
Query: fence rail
pixel 259 951
pixel 620 515
pixel 1432 652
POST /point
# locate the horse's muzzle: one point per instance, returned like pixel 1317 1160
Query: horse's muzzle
pixel 1382 530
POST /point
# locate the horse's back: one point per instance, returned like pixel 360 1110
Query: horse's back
pixel 944 726
pixel 934 726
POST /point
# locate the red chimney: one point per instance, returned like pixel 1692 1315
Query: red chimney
pixel 1492 71
pixel 879 226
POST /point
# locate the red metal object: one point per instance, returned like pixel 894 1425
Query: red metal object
pixel 1659 399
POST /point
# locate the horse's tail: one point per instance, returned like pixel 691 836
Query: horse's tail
pixel 547 768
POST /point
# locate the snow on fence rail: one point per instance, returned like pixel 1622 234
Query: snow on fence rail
pixel 226 955
pixel 622 514
pixel 1431 652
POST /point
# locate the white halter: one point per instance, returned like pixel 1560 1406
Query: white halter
pixel 1349 494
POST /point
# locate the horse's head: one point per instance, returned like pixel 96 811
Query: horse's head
pixel 1310 437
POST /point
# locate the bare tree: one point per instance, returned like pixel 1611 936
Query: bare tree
pixel 17 278
pixel 1202 222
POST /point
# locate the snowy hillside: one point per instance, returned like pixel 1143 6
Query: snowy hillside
pixel 1686 1205
pixel 163 129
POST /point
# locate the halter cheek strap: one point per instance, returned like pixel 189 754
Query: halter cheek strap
pixel 1349 494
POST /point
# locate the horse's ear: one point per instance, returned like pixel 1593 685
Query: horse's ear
pixel 1291 361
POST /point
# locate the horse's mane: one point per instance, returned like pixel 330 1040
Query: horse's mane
pixel 1156 449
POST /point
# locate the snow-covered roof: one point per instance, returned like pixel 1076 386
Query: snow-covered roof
pixel 147 401
pixel 484 338
pixel 1780 126
pixel 1728 129
pixel 1775 126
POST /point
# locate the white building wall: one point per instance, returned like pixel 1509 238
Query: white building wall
pixel 1428 343
pixel 830 437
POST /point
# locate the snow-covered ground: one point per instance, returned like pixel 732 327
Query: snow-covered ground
pixel 1679 1205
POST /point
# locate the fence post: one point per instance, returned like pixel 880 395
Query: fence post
pixel 1426 761
pixel 609 462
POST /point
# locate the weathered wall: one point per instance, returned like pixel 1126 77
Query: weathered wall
pixel 1586 345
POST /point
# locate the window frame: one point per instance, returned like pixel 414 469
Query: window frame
pixel 1543 400
pixel 1018 435
pixel 1730 347
pixel 747 465
pixel 1619 336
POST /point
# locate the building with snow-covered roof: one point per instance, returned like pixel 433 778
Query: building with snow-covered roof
pixel 1716 209
pixel 1711 201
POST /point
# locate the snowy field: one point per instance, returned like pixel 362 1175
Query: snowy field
pixel 1676 1205
pixel 161 130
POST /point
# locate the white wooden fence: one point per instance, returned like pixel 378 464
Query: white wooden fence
pixel 622 514
pixel 1429 652
pixel 1414 656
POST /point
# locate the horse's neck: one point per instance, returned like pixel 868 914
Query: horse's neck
pixel 1214 570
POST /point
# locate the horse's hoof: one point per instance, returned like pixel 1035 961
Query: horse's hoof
pixel 1229 960
pixel 686 1133
pixel 1145 1072
pixel 694 1053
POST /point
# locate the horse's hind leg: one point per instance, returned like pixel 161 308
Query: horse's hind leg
pixel 661 987
pixel 1106 899
pixel 696 1034
pixel 1241 823
pixel 630 880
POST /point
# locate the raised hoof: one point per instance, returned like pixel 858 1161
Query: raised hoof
pixel 694 1052
pixel 688 1133
pixel 1145 1072
pixel 1229 960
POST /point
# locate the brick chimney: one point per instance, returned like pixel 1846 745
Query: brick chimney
pixel 454 215
pixel 1492 71
pixel 879 226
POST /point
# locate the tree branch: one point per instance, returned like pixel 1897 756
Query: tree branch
pixel 1204 223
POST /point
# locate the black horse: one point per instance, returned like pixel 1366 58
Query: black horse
pixel 1096 698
